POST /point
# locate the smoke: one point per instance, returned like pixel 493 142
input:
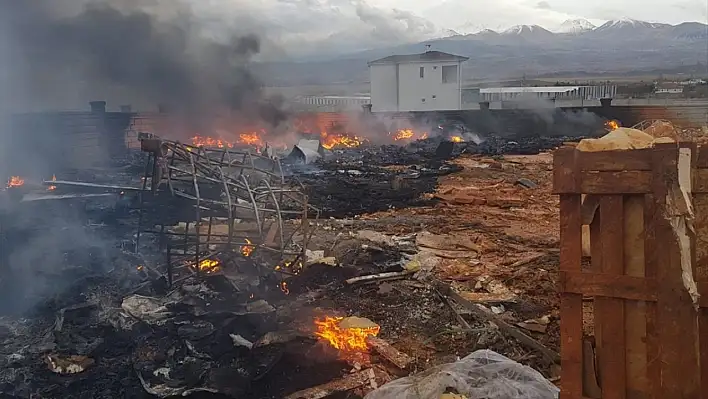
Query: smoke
pixel 150 51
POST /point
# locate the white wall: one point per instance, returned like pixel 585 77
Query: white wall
pixel 428 93
pixel 384 88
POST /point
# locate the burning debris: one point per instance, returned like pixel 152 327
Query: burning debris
pixel 221 274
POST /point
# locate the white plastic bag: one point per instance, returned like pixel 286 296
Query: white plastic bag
pixel 483 374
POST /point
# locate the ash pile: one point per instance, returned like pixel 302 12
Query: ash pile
pixel 196 279
pixel 352 179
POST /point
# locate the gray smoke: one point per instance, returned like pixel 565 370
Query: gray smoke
pixel 150 51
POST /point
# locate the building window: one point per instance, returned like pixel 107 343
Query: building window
pixel 422 72
pixel 449 74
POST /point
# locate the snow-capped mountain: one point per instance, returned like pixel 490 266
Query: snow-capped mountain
pixel 575 26
pixel 626 24
pixel 524 30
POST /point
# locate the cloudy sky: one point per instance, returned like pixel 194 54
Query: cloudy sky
pixel 360 23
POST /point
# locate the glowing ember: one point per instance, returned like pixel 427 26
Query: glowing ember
pixel 15 181
pixel 612 125
pixel 52 188
pixel 247 250
pixel 284 287
pixel 456 139
pixel 344 339
pixel 209 266
pixel 330 141
pixel 251 138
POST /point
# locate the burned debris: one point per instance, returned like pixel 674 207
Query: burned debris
pixel 250 271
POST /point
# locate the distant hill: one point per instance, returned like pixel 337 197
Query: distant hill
pixel 617 46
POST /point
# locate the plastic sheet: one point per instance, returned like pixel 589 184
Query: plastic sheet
pixel 484 374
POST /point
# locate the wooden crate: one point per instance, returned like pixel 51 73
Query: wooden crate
pixel 646 325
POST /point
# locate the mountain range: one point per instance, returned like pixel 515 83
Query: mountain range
pixel 575 46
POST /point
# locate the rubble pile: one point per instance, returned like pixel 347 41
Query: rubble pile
pixel 211 275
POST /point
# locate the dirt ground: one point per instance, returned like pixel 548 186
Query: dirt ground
pixel 505 207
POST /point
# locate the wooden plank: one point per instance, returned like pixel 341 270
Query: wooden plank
pixel 700 181
pixel 626 182
pixel 612 361
pixel 635 326
pixel 343 384
pixel 701 157
pixel 596 267
pixel 650 266
pixel 571 306
pixel 676 319
pixel 614 160
pixel 393 355
pixel 564 171
pixel 608 285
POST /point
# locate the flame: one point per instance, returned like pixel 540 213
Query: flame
pixel 251 138
pixel 330 141
pixel 203 141
pixel 52 188
pixel 612 125
pixel 15 181
pixel 347 339
pixel 284 287
pixel 404 134
pixel 408 134
pixel 209 266
pixel 457 139
pixel 247 250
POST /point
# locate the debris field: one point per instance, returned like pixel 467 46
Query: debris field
pixel 215 272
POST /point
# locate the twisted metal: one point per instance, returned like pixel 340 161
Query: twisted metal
pixel 243 191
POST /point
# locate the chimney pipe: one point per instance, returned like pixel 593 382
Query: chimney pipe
pixel 98 107
pixel 126 108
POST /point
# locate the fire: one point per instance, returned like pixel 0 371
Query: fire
pixel 284 287
pixel 612 125
pixel 247 250
pixel 408 134
pixel 457 139
pixel 209 266
pixel 344 339
pixel 251 138
pixel 52 188
pixel 203 141
pixel 403 134
pixel 15 181
pixel 330 141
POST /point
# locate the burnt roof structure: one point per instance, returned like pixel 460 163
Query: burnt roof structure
pixel 422 57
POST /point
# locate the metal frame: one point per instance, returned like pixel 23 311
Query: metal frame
pixel 236 187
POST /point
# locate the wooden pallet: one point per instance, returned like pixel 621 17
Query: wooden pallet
pixel 646 326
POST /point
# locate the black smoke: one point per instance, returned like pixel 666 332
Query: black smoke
pixel 150 51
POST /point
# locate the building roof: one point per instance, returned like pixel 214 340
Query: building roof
pixel 426 56
pixel 547 89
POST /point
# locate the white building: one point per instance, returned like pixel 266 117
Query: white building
pixel 417 82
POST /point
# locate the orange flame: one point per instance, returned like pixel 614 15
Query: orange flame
pixel 209 266
pixel 344 339
pixel 330 141
pixel 247 250
pixel 409 134
pixel 203 141
pixel 52 188
pixel 457 139
pixel 15 181
pixel 612 125
pixel 284 287
pixel 251 138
